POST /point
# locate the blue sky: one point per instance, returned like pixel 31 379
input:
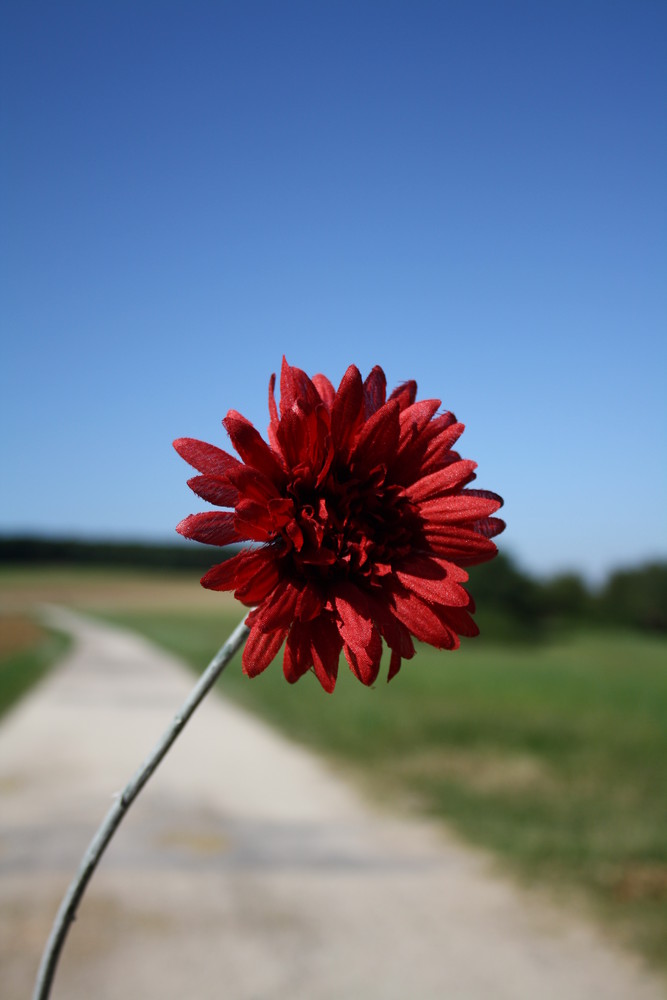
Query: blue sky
pixel 471 195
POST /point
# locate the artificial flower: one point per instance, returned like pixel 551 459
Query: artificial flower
pixel 361 518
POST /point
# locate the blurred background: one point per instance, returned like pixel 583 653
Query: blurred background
pixel 470 195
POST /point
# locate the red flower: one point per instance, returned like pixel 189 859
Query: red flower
pixel 364 522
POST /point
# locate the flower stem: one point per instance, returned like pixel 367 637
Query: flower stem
pixel 67 912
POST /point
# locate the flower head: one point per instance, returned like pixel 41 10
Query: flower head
pixel 364 523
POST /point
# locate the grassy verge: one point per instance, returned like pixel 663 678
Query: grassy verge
pixel 552 756
pixel 27 653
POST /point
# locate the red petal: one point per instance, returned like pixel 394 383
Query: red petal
pixel 412 422
pixel 273 412
pixel 297 658
pixel 325 646
pixel 398 638
pixel 486 494
pixel 256 513
pixel 347 410
pixel 310 603
pixel 405 394
pixel 375 391
pixel 205 457
pixel 214 489
pixel 438 450
pixel 458 508
pixel 213 528
pixel 429 580
pixel 354 610
pixel 277 610
pixel 378 439
pixel 224 575
pixel 459 620
pixel 362 643
pixel 415 418
pixel 394 631
pixel 325 389
pixel 252 447
pixel 322 449
pixel 417 565
pixel 257 578
pixel 394 664
pixel 365 663
pixel 460 545
pixel 296 390
pixel 440 482
pixel 253 485
pixel 252 531
pixel 428 451
pixel 260 649
pixel 305 438
pixel 490 526
pixel 422 621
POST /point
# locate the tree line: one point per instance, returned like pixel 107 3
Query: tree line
pixel 29 550
pixel 512 603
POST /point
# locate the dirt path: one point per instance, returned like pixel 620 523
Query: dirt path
pixel 246 870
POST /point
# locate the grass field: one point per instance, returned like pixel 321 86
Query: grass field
pixel 552 756
pixel 27 652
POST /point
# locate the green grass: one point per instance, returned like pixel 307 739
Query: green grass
pixel 552 756
pixel 22 669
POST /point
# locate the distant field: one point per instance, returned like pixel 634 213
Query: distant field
pixel 104 589
pixel 552 756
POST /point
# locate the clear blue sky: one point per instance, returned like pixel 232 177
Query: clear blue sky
pixel 469 194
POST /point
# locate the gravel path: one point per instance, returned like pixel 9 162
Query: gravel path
pixel 247 870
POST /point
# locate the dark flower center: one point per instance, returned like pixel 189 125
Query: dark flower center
pixel 347 528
